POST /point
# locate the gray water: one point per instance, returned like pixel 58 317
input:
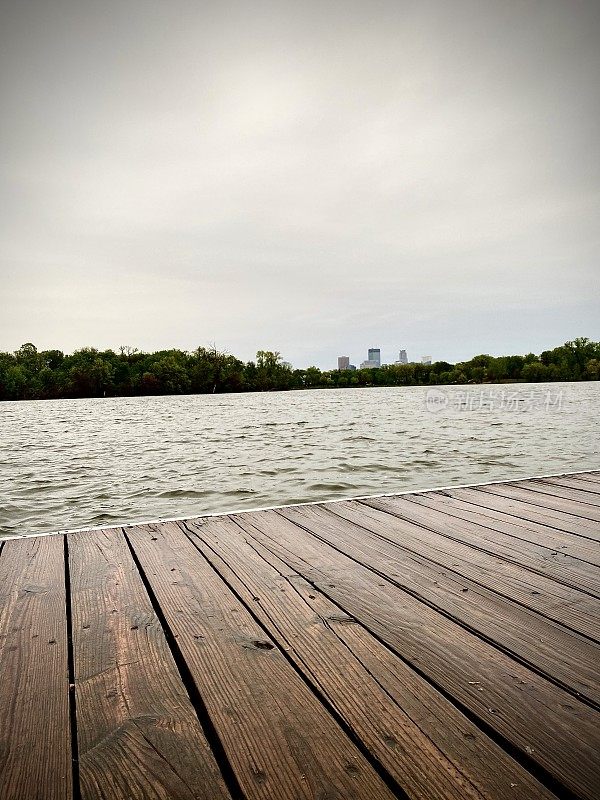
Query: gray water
pixel 88 463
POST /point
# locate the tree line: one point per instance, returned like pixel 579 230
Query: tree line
pixel 29 374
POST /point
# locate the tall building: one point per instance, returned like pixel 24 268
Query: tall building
pixel 402 358
pixel 343 362
pixel 374 355
pixel 425 359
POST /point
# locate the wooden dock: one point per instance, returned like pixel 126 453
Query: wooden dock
pixel 440 644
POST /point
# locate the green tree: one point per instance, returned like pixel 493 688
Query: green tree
pixel 29 374
pixel 171 374
pixel 592 369
pixel 271 372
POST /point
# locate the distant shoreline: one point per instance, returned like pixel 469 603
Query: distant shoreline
pixel 300 390
pixel 29 374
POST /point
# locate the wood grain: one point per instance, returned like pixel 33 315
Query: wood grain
pixel 560 655
pixel 567 515
pixel 430 513
pixel 588 477
pixel 543 721
pixel 35 735
pixel 571 608
pixel 437 645
pixel 578 547
pixel 138 733
pixel 430 748
pixel 570 493
pixel 548 517
pixel 281 741
pixel 575 482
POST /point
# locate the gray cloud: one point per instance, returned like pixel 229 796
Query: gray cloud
pixel 316 178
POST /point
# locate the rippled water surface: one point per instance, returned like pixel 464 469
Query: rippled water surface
pixel 86 463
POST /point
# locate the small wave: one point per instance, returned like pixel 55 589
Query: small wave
pixel 331 487
pixel 178 493
pixel 373 467
pixel 491 462
pixel 33 490
pixel 69 466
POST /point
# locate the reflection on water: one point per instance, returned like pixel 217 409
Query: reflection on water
pixel 85 463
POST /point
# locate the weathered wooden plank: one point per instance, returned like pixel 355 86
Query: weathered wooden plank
pixel 424 510
pixel 375 593
pixel 35 734
pixel 571 608
pixel 526 511
pixel 281 741
pixel 138 733
pixel 572 494
pixel 575 482
pixel 592 476
pixel 589 477
pixel 560 655
pixel 545 723
pixel 461 763
pixel 577 516
pixel 577 547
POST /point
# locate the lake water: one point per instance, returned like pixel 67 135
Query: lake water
pixel 89 463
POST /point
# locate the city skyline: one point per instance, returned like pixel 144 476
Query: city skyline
pixel 374 360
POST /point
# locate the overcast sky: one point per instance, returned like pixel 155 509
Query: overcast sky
pixel 312 177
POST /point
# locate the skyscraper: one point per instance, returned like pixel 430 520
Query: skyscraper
pixel 425 359
pixel 402 358
pixel 375 355
pixel 343 362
